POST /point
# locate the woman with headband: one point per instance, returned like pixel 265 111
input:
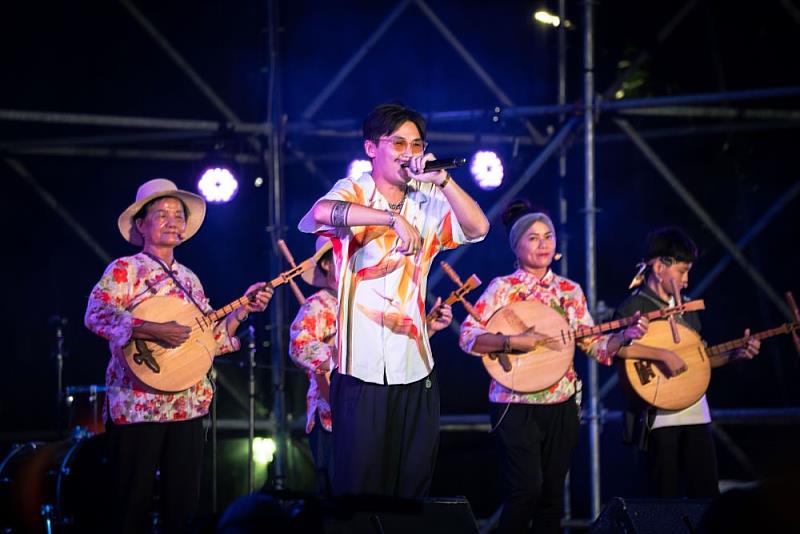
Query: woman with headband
pixel 536 431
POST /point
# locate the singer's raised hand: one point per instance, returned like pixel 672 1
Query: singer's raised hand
pixel 416 167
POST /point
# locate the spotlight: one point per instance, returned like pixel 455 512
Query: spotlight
pixel 548 18
pixel 218 184
pixel 263 450
pixel 487 169
pixel 358 167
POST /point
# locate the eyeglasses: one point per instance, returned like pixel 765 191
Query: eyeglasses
pixel 400 144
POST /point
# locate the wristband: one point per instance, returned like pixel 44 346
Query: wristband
pixel 390 224
pixel 445 181
pixel 625 342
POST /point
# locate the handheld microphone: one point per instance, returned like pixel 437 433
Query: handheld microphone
pixel 441 164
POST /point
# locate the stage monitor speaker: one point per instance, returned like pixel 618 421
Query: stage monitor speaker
pixel 452 515
pixel 650 516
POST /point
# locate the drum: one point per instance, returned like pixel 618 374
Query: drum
pixel 60 486
pixel 85 408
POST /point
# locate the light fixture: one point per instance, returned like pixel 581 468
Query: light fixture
pixel 263 450
pixel 545 17
pixel 218 184
pixel 358 167
pixel 487 169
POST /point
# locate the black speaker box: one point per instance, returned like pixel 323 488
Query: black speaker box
pixel 452 515
pixel 288 512
pixel 650 516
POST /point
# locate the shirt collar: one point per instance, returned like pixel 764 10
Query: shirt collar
pixel 544 281
pixel 414 191
pixel 645 289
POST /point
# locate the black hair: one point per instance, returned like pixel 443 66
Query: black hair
pixel 670 242
pixel 386 118
pixel 142 213
pixel 514 211
pixel 328 256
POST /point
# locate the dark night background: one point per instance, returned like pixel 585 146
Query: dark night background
pixel 93 58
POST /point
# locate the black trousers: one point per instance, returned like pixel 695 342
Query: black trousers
pixel 684 454
pixel 320 441
pixel 385 438
pixel 135 452
pixel 535 442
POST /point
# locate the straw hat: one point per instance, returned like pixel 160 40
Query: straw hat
pixel 158 188
pixel 316 276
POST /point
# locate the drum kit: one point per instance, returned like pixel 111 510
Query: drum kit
pixel 60 486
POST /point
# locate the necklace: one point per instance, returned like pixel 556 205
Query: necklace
pixel 398 205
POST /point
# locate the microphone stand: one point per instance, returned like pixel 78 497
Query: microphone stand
pixel 59 323
pixel 251 388
pixel 214 442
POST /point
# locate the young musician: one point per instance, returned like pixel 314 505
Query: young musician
pixel 680 449
pixel 313 333
pixel 536 431
pixel 386 227
pixel 148 429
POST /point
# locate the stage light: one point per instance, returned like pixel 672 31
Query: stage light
pixel 263 450
pixel 547 18
pixel 486 169
pixel 358 167
pixel 259 181
pixel 218 184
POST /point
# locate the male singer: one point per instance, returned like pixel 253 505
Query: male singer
pixel 386 227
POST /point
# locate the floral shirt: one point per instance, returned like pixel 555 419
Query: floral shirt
pixel 312 338
pixel 126 283
pixel 561 294
pixel 382 330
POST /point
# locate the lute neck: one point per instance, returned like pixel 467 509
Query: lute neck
pixel 627 321
pixel 282 278
pixel 742 341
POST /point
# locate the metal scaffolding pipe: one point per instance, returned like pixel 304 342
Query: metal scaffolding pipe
pixel 128 153
pixel 694 112
pixel 348 67
pixel 114 121
pixel 335 126
pixel 703 215
pixel 178 59
pixel 555 142
pixel 776 207
pixel 51 201
pixel 756 229
pixel 591 245
pixel 504 99
pixel 724 439
pixel 700 98
pixel 104 140
pixel 274 164
pixel 563 236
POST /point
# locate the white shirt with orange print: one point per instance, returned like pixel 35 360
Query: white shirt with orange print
pixel 382 329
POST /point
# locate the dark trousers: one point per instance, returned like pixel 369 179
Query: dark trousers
pixel 385 438
pixel 535 442
pixel 321 443
pixel 135 452
pixel 682 453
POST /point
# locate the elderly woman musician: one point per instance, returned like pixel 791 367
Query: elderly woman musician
pixel 536 430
